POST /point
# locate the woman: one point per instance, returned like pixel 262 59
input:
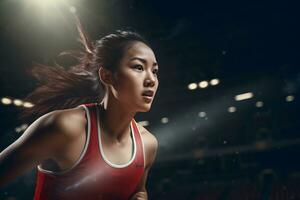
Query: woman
pixel 85 142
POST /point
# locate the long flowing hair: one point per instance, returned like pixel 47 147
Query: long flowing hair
pixel 61 88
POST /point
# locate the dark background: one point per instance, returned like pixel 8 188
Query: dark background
pixel 252 153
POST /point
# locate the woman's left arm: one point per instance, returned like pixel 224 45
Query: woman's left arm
pixel 150 147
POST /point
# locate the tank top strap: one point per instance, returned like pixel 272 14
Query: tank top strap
pixel 91 113
pixel 139 143
pixel 90 105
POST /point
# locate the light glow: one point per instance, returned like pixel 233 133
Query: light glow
pixel 18 102
pixel 164 120
pixel 214 81
pixel 244 96
pixel 290 98
pixel 6 101
pixel 144 123
pixel 203 84
pixel 259 104
pixel 232 109
pixel 28 105
pixel 192 86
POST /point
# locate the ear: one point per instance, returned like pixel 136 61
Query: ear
pixel 105 76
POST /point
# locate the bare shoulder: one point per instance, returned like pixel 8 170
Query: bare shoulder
pixel 58 125
pixel 70 121
pixel 150 144
pixel 148 137
pixel 55 130
pixel 42 140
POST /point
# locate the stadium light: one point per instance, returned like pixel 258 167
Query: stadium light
pixel 214 81
pixel 244 96
pixel 203 84
pixel 192 86
pixel 232 109
pixel 6 101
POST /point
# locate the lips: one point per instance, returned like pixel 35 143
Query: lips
pixel 148 93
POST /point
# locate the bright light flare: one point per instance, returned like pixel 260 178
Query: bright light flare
pixel 6 101
pixel 49 10
pixel 290 98
pixel 244 96
pixel 28 105
pixel 192 86
pixel 18 102
pixel 203 84
pixel 214 81
pixel 45 3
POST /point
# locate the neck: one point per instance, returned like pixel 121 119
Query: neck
pixel 115 119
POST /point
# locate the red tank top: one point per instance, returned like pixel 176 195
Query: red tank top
pixel 93 176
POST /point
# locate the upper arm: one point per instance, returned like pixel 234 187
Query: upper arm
pixel 40 141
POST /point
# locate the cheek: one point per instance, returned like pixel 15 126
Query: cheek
pixel 128 85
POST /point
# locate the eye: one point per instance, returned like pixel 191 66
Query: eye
pixel 138 67
pixel 155 71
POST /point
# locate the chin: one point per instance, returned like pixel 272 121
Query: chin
pixel 145 109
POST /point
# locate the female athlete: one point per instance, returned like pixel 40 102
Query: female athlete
pixel 84 140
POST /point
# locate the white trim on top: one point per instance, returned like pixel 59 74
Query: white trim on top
pixel 102 151
pixel 143 146
pixel 82 152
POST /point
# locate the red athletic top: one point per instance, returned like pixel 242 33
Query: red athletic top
pixel 93 176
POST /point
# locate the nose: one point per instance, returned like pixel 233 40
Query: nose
pixel 149 80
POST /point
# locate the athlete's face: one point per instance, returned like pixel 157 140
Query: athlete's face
pixel 135 81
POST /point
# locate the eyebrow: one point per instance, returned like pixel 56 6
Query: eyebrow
pixel 144 61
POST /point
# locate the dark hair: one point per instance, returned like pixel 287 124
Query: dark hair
pixel 61 88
